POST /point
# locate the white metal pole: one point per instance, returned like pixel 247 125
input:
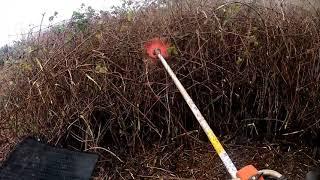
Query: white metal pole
pixel 203 123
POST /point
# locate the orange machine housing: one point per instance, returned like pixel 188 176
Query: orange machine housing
pixel 247 172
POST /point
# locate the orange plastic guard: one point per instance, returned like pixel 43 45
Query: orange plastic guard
pixel 247 172
pixel 154 44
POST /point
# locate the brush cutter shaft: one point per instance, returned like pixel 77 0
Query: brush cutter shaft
pixel 205 126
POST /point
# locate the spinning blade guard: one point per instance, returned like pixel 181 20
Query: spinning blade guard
pixel 156 44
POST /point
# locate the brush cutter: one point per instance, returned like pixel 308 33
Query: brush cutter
pixel 157 49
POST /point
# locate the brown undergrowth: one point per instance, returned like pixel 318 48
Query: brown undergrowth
pixel 252 70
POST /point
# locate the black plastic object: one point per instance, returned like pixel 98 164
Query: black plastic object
pixel 32 160
pixel 313 175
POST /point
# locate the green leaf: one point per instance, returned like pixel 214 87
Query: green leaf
pixel 39 63
pixel 130 15
pixel 99 35
pixel 235 8
pixel 239 61
pixel 172 50
pixel 29 50
pixel 101 69
pixel 26 66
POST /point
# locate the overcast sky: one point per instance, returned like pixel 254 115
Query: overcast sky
pixel 18 16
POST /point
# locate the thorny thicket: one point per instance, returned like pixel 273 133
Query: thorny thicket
pixel 253 71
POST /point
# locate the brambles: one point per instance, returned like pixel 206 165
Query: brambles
pixel 80 19
pixel 251 71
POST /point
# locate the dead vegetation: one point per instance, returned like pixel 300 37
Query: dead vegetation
pixel 253 71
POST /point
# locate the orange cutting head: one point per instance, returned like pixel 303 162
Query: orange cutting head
pixel 156 44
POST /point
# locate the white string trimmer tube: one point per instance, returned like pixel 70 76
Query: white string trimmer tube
pixel 203 123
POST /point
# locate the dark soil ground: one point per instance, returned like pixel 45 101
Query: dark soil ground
pixel 202 162
pixel 194 161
